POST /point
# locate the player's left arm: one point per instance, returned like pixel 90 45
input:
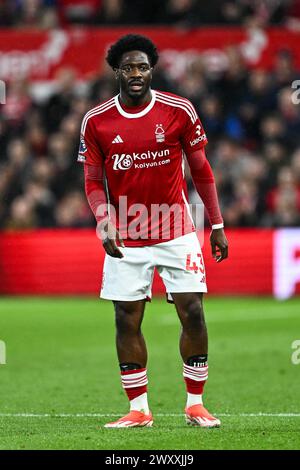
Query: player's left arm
pixel 204 182
pixel 193 139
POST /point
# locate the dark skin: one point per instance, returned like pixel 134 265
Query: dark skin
pixel 134 69
pixel 134 76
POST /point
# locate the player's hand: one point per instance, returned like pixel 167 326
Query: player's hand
pixel 219 244
pixel 109 234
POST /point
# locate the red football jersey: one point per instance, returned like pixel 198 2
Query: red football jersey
pixel 142 151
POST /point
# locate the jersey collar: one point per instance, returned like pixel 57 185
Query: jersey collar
pixel 135 115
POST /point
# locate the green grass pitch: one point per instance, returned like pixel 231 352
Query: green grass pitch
pixel 61 380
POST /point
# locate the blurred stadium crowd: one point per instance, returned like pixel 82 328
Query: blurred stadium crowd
pixel 55 13
pixel 252 124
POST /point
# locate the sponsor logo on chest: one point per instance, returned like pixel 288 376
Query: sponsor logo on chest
pixel 124 161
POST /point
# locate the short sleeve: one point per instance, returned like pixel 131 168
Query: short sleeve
pixel 89 149
pixel 193 136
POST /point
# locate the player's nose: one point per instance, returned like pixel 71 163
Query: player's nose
pixel 135 73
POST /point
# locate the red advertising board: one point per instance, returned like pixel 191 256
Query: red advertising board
pixel 69 262
pixel 39 54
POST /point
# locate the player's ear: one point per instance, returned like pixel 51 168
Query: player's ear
pixel 117 73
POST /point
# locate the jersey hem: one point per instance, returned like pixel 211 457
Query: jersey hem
pixel 150 242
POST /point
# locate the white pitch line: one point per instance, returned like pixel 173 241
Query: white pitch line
pixel 107 415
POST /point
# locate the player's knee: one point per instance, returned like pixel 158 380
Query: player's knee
pixel 127 318
pixel 193 314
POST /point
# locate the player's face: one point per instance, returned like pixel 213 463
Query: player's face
pixel 135 75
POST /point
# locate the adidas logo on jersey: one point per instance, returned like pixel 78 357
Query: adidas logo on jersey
pixel 117 140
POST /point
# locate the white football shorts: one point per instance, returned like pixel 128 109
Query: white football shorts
pixel 179 263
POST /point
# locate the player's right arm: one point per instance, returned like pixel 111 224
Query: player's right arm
pixel 90 155
pixel 96 196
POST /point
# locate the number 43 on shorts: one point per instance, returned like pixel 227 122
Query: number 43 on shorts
pixel 195 263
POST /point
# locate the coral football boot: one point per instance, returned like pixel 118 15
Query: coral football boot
pixel 197 415
pixel 134 419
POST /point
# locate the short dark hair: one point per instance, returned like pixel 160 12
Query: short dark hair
pixel 131 42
